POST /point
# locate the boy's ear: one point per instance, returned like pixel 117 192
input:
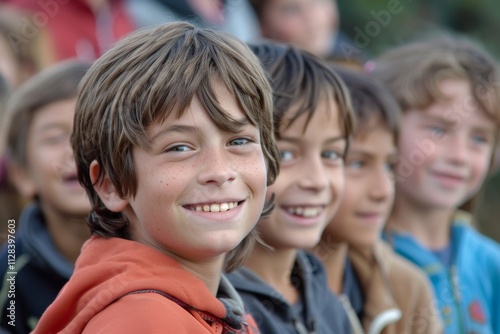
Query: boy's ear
pixel 21 180
pixel 106 189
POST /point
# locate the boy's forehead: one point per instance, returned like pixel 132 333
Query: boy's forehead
pixel 372 141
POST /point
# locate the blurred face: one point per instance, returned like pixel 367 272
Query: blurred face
pixel 201 190
pixel 311 181
pixel 445 149
pixel 369 188
pixel 309 24
pixel 51 172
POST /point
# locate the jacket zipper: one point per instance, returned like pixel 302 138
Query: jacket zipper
pixel 299 326
pixel 453 276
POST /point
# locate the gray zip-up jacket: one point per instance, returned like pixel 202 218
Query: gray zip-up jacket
pixel 320 312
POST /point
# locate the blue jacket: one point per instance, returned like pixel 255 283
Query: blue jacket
pixel 468 292
pixel 323 311
pixel 41 273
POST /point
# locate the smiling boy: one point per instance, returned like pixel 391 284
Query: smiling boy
pixel 174 145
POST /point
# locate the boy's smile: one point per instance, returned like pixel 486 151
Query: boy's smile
pixel 303 216
pixel 224 211
pixel 200 189
pixel 214 207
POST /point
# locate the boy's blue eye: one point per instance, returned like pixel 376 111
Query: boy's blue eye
pixel 239 141
pixel 286 155
pixel 179 148
pixel 331 155
pixel 479 139
pixel 356 164
pixel 438 131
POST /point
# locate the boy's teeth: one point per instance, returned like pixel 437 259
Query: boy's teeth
pixel 216 207
pixel 304 212
pixel 311 212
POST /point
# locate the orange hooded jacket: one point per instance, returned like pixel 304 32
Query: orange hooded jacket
pixel 121 286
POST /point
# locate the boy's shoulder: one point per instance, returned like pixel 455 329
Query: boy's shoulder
pixel 476 245
pixel 147 312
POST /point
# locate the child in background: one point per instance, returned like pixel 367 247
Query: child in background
pixel 40 164
pixel 174 144
pixel 449 94
pixel 312 25
pixel 383 292
pixel 284 287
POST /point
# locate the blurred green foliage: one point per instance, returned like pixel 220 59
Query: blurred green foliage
pixel 477 19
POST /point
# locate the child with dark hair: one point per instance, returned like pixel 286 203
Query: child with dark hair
pixel 174 144
pixel 51 230
pixel 283 286
pixel 382 292
pixel 448 91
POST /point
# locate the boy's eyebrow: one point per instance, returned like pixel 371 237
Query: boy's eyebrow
pixel 440 119
pixel 173 128
pixel 181 128
pixel 357 151
pixel 296 140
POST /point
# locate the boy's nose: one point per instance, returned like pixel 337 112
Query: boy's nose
pixel 457 151
pixel 382 187
pixel 216 169
pixel 315 176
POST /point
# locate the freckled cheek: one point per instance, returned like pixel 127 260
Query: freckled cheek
pixel 259 180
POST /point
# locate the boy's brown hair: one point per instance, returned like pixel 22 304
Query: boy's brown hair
pixel 146 77
pixel 412 73
pixel 301 80
pixel 57 83
pixel 372 103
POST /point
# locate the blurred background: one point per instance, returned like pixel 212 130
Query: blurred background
pixel 474 18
